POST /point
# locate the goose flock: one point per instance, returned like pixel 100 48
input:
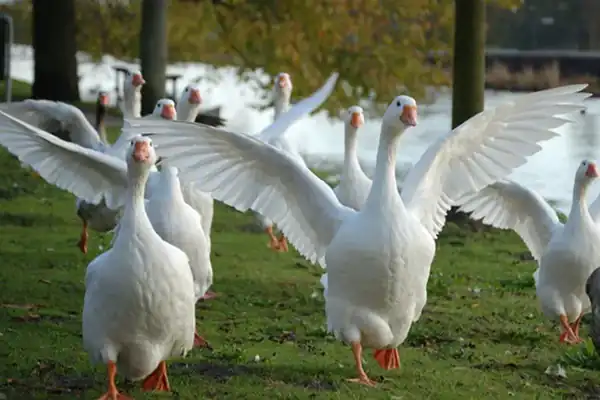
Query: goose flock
pixel 154 188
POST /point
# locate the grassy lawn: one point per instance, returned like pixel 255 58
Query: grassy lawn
pixel 481 334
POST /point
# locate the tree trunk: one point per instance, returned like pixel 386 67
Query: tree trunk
pixel 54 51
pixel 468 71
pixel 153 52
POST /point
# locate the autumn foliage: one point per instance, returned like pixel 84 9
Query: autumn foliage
pixel 380 47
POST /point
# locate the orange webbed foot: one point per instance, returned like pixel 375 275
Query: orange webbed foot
pixel 113 393
pixel 209 296
pixel 199 341
pixel 114 396
pixel 157 381
pixel 363 380
pixel 387 358
pixel 282 243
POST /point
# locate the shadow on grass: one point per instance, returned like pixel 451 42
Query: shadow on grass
pixel 288 374
pixel 57 381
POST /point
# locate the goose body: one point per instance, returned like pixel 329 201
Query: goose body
pixel 567 253
pixel 377 259
pixel 131 107
pixel 181 225
pixel 139 299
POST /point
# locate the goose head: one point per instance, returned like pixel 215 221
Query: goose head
pixel 191 95
pixel 134 80
pixel 354 118
pixel 401 113
pixel 101 105
pixel 165 108
pixel 282 86
pixel 586 173
pixel 141 155
pixel 102 99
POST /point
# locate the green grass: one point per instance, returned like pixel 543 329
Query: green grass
pixel 481 334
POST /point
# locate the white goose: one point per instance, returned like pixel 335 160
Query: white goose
pixel 189 103
pixel 187 110
pixel 50 115
pixel 95 176
pixel 139 305
pixel 181 225
pixel 275 135
pixel 378 258
pixel 566 253
pixel 354 185
pixel 131 107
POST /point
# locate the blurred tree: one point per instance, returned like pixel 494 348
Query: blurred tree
pixel 54 50
pixel 468 69
pixel 153 51
pixel 468 72
pixel 380 47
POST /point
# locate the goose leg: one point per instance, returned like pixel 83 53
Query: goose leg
pixel 282 242
pixel 84 237
pixel 199 341
pixel 157 380
pixel 273 241
pixel 387 358
pixel 575 326
pixel 208 295
pixel 113 393
pixel 568 336
pixel 362 376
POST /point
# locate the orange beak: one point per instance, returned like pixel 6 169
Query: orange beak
pixel 356 120
pixel 141 151
pixel 103 99
pixel 168 112
pixel 409 115
pixel 195 97
pixel 592 171
pixel 138 80
pixel 282 81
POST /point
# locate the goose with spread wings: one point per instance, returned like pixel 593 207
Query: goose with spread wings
pixel 50 116
pixel 567 254
pixel 377 259
pixel 275 134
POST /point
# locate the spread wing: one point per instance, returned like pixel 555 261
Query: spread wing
pixel 508 205
pixel 247 173
pixel 88 174
pixel 56 117
pixel 485 149
pixel 298 110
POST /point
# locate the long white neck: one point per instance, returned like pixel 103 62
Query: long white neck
pixel 134 222
pixel 281 103
pixel 385 188
pixel 132 102
pixel 169 187
pixel 187 111
pixel 579 206
pixel 350 155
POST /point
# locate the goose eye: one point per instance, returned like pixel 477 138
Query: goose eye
pixel 398 103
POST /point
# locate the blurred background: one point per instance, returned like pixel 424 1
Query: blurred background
pixel 69 50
